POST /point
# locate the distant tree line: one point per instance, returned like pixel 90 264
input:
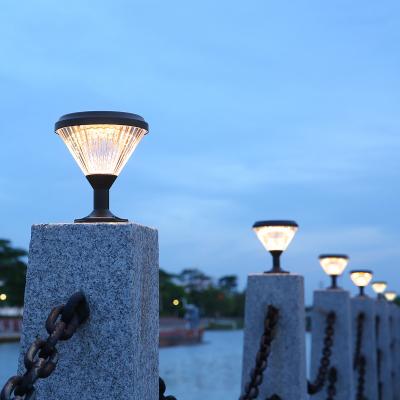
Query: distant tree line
pixel 12 274
pixel 215 298
pixel 219 298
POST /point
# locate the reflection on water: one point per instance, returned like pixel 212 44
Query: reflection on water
pixel 8 361
pixel 208 371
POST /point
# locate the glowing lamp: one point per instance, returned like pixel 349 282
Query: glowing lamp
pixel 275 237
pixel 379 287
pixel 361 278
pixel 101 143
pixel 176 302
pixel 390 296
pixel 333 265
pixel 3 297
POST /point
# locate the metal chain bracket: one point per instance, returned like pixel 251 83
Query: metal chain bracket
pixel 318 384
pixel 42 356
pixel 256 375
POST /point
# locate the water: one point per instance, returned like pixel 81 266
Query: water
pixel 8 361
pixel 208 371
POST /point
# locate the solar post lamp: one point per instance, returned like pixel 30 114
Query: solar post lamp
pixel 361 278
pixel 390 295
pixel 275 237
pixel 333 265
pixel 101 143
pixel 379 288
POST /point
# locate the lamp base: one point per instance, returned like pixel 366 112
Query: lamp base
pixel 276 271
pixel 100 216
pixel 101 185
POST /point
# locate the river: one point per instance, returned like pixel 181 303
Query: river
pixel 207 371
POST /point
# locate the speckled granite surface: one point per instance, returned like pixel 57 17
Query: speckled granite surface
pixel 325 301
pixel 115 355
pixel 286 371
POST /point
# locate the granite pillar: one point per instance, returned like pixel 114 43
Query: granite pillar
pixel 285 375
pixel 366 305
pixel 383 348
pixel 338 301
pixel 115 354
pixel 394 323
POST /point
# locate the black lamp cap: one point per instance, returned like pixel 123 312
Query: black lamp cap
pixel 101 117
pixel 260 224
pixel 322 256
pixel 361 270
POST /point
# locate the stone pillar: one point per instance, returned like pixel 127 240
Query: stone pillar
pixel 338 301
pixel 366 305
pixel 285 375
pixel 115 354
pixel 384 353
pixel 394 322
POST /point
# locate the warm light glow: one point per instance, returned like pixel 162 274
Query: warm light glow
pixel 390 296
pixel 101 149
pixel 176 302
pixel 361 278
pixel 333 265
pixel 275 237
pixel 379 287
pixel 3 297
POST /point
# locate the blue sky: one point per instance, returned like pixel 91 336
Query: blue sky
pixel 257 110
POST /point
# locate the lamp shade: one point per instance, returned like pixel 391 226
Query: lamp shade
pixel 275 235
pixel 379 286
pixel 361 278
pixel 333 264
pixel 390 296
pixel 101 142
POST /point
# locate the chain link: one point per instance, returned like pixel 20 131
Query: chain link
pixel 162 389
pixel 332 379
pixel 251 390
pixel 318 384
pixel 359 359
pixel 41 358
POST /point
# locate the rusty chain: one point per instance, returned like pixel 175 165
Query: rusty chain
pixel 318 384
pixel 359 359
pixel 162 390
pixel 42 356
pixel 251 390
pixel 332 379
pixel 378 358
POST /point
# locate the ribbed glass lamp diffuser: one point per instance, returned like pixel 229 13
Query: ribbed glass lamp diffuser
pixel 275 237
pixel 101 143
pixel 361 278
pixel 379 287
pixel 333 264
pixel 390 296
pixel 101 149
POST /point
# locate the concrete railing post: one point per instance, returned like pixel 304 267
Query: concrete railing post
pixel 384 353
pixel 337 301
pixel 114 355
pixel 366 305
pixel 394 322
pixel 285 374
